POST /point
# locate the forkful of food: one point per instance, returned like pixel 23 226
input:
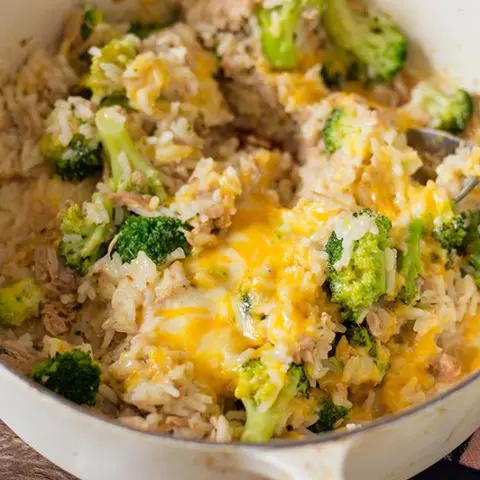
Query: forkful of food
pixel 433 146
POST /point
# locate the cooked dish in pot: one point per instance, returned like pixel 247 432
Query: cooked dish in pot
pixel 213 226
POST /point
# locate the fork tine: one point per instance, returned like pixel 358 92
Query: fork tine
pixel 436 144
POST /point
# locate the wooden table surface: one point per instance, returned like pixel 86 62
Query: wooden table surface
pixel 20 462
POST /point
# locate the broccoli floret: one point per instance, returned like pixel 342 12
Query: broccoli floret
pixel 120 100
pixel 338 127
pixel 157 237
pixel 277 31
pixel 252 310
pixel 330 416
pixel 245 304
pixel 449 110
pixel 471 247
pixel 360 283
pixel 371 38
pixel 80 159
pixel 360 337
pixel 381 355
pixel 339 67
pixel 461 234
pixel 411 265
pixel 20 302
pixel 244 315
pixel 143 30
pixel 334 248
pixel 472 266
pixel 78 155
pixel 72 374
pixel 114 56
pixel 92 17
pixel 452 232
pixel 250 306
pixel 255 388
pixel 85 241
pixel 129 169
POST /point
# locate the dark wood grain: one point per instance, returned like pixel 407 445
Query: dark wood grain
pixel 20 462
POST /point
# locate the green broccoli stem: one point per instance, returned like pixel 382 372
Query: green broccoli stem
pixel 411 263
pixel 439 101
pixel 277 26
pixel 96 239
pixel 472 248
pixel 120 148
pixel 261 425
pixel 336 10
pixel 117 140
pixel 277 31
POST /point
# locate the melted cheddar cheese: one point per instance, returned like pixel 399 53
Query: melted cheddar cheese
pixel 262 257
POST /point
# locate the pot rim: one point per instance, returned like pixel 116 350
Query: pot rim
pixel 275 444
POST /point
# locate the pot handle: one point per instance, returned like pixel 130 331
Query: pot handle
pixel 325 460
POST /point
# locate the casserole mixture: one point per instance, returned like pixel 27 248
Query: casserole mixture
pixel 212 225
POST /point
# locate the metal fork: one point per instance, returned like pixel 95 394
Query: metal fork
pixel 434 146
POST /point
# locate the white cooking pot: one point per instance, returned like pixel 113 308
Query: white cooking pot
pixel 392 448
